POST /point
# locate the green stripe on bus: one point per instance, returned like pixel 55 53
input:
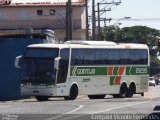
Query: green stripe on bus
pixel 93 71
pixel 112 78
pixel 137 70
pixel 115 70
pixel 88 71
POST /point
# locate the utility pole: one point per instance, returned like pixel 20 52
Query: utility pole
pixel 99 27
pixel 103 10
pixel 69 26
pixel 93 20
pixel 70 20
pixel 87 26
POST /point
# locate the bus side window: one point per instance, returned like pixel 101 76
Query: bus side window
pixel 114 56
pixel 124 56
pixel 101 56
pixel 144 58
pixel 63 65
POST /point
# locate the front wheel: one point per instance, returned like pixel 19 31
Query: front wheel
pixel 73 93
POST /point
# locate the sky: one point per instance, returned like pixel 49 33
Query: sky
pixel 141 12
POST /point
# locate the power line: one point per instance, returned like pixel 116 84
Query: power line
pixel 140 19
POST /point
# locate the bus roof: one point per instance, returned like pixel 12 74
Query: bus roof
pixel 99 43
pixel 90 44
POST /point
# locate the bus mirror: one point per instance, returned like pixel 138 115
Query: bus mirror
pixel 56 62
pixel 18 61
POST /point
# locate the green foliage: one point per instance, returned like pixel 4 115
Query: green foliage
pixel 135 34
pixel 154 61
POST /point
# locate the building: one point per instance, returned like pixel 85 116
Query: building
pixel 42 14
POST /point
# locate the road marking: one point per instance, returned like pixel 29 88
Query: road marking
pixel 78 108
pixel 114 108
pixel 3 106
pixel 103 111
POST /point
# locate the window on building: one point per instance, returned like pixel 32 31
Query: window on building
pixel 52 12
pixel 39 12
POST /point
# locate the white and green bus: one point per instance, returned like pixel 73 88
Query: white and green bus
pixel 93 68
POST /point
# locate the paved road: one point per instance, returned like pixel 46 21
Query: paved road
pixel 147 107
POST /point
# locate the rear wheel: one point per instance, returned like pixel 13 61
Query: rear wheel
pixel 123 91
pixel 131 90
pixel 73 93
pixel 41 98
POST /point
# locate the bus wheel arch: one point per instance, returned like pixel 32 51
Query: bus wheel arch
pixel 73 93
pixel 131 89
pixel 123 90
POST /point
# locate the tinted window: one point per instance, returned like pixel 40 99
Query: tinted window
pixel 143 56
pixel 101 56
pixel 138 56
pixel 41 53
pixel 124 56
pixel 114 56
pixel 63 65
pixel 109 56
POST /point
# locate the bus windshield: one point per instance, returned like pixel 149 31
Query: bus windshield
pixel 38 66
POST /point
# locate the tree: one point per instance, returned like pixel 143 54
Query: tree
pixel 135 34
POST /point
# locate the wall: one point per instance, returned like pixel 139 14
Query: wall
pixel 9 75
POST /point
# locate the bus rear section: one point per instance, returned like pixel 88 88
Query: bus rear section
pixel 121 70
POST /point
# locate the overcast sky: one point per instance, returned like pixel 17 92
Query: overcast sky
pixel 142 12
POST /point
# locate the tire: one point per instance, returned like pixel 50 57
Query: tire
pixel 131 90
pixel 73 93
pixel 41 98
pixel 123 91
pixel 96 96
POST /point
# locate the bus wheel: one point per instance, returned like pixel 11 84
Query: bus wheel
pixel 131 90
pixel 73 93
pixel 96 96
pixel 41 98
pixel 123 91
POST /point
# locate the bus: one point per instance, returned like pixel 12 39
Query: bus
pixel 92 68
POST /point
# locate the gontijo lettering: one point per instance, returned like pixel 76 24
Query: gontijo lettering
pixel 86 71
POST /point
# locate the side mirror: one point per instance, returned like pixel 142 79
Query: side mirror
pixel 18 61
pixel 56 62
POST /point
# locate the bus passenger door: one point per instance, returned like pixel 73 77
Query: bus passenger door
pixel 63 70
